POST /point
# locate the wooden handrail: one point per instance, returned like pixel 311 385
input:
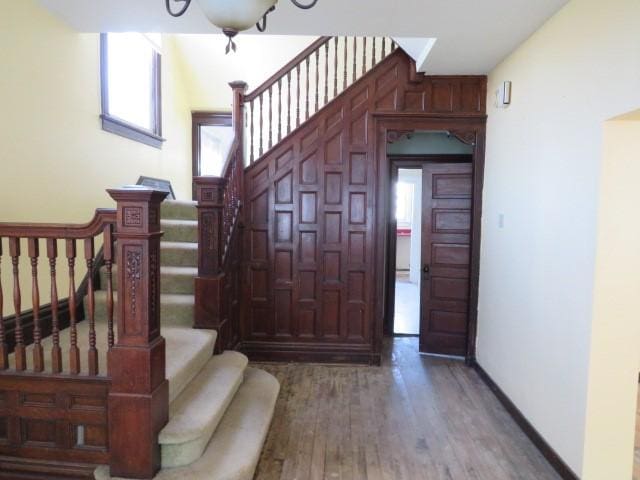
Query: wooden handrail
pixel 232 152
pixel 273 79
pixel 61 231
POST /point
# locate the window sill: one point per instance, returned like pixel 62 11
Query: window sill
pixel 127 130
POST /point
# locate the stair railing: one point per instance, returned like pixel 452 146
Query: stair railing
pixel 305 85
pixel 137 399
pixel 219 229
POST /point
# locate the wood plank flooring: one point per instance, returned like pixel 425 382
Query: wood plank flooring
pixel 414 418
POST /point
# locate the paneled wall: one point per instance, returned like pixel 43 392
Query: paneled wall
pixel 310 218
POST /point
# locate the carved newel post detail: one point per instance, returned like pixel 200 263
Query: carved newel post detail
pixel 139 395
pixel 209 282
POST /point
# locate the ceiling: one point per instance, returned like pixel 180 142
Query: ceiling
pixel 472 36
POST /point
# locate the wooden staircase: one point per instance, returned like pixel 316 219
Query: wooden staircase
pixel 136 373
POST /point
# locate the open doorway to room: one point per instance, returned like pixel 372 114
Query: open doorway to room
pixel 430 240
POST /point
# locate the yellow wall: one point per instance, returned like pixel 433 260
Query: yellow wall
pixel 55 160
pixel 545 322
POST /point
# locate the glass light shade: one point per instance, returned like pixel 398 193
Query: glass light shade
pixel 235 14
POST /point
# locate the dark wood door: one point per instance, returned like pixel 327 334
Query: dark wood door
pixel 446 241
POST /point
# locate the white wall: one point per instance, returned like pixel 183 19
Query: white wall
pixel 543 166
pixel 414 176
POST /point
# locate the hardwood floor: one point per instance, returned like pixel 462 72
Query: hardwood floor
pixel 414 418
pixel 636 453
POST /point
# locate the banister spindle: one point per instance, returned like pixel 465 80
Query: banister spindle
pixel 4 353
pixel 74 352
pixel 107 251
pixel 384 47
pixel 373 54
pixel 306 89
pixel 270 117
pixel 355 57
pixel 280 109
pixel 260 150
pixel 19 349
pixel 364 55
pixel 298 95
pixel 92 358
pixel 345 54
pixel 34 253
pixel 251 130
pixel 289 102
pixel 317 80
pixel 335 67
pixel 56 352
pixel 326 72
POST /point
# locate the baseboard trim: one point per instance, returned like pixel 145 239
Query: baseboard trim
pixel 12 468
pixel 538 440
pixel 308 353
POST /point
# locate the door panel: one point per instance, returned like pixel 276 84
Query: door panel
pixel 446 238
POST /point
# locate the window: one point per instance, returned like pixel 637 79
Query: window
pixel 213 136
pixel 404 204
pixel 130 75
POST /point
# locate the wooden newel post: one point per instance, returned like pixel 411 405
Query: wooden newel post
pixel 208 286
pixel 239 89
pixel 139 395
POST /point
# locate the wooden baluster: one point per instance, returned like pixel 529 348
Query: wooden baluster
pixel 289 102
pixel 306 89
pixel 364 55
pixel 19 349
pixel 260 150
pixel 38 356
pixel 373 54
pixel 335 67
pixel 107 251
pixel 56 352
pixel 270 118
pixel 345 48
pixel 298 95
pixel 4 352
pixel 326 73
pixel 251 131
pixel 92 358
pixel 317 80
pixel 279 109
pixel 384 47
pixel 74 352
pixel 355 57
pixel 393 45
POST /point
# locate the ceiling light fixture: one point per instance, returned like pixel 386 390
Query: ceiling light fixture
pixel 234 16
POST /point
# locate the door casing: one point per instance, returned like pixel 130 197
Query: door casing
pixel 389 128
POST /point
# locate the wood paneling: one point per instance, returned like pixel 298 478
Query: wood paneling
pixel 311 224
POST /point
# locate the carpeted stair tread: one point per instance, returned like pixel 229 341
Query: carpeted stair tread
pixel 175 309
pixel 195 414
pixel 187 351
pixel 179 230
pixel 180 254
pixel 235 448
pixel 179 209
pixel 173 279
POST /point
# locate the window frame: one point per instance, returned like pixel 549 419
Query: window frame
pixel 204 119
pixel 119 126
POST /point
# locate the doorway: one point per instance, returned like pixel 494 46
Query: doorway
pixel 430 243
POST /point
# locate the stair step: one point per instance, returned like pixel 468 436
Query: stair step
pixel 235 448
pixel 175 309
pixel 179 254
pixel 179 210
pixel 187 351
pixel 195 414
pixel 179 280
pixel 179 230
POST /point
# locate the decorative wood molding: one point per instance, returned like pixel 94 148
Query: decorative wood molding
pixel 467 137
pixel 394 135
